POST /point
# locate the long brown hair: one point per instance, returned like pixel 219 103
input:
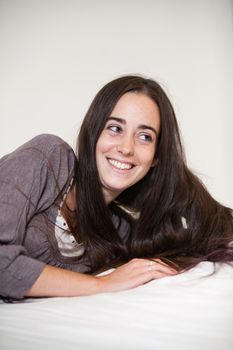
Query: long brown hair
pixel 178 218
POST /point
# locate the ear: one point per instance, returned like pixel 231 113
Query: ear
pixel 155 161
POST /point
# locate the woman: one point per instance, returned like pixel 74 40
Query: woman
pixel 129 196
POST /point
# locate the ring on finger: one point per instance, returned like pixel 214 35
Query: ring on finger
pixel 150 265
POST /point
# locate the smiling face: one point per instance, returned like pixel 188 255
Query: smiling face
pixel 125 150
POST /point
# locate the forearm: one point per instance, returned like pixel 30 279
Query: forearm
pixel 57 282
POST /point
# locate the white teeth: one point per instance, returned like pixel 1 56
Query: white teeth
pixel 120 165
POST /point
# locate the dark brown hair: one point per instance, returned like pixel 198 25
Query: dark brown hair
pixel 178 218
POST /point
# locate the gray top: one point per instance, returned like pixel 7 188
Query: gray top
pixel 33 181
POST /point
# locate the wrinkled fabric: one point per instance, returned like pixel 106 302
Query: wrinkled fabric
pixel 33 180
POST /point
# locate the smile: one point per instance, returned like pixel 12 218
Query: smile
pixel 120 165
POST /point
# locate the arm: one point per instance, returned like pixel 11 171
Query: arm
pixel 27 186
pixel 56 282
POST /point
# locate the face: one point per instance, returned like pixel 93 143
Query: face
pixel 125 150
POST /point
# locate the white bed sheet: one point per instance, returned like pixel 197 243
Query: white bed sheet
pixel 184 312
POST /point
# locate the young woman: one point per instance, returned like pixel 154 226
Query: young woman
pixel 128 199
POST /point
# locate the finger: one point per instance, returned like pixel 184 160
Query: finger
pixel 138 262
pixel 168 262
pixel 153 274
pixel 162 263
pixel 165 269
pixel 138 266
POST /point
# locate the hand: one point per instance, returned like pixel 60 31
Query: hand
pixel 134 273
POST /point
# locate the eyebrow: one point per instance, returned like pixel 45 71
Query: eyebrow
pixel 141 126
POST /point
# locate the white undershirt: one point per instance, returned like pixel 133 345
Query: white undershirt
pixel 66 242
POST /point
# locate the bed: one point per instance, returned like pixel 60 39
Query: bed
pixel 193 310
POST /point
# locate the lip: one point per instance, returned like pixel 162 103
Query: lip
pixel 120 165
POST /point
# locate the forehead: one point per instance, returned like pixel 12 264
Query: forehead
pixel 137 107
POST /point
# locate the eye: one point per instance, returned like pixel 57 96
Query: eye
pixel 145 137
pixel 116 129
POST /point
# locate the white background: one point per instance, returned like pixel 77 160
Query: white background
pixel 56 54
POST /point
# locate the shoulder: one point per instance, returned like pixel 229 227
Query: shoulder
pixel 41 147
pixel 43 165
pixel 45 143
pixel 42 151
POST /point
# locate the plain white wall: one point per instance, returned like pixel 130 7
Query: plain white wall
pixel 56 54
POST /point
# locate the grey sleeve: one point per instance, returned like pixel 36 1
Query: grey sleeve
pixel 31 178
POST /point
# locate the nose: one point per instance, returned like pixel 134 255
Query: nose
pixel 126 146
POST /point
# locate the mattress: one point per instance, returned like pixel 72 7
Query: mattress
pixel 192 310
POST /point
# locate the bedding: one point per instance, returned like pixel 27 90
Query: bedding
pixel 192 310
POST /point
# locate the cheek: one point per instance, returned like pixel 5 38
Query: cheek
pixel 148 158
pixel 101 144
pixel 104 144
